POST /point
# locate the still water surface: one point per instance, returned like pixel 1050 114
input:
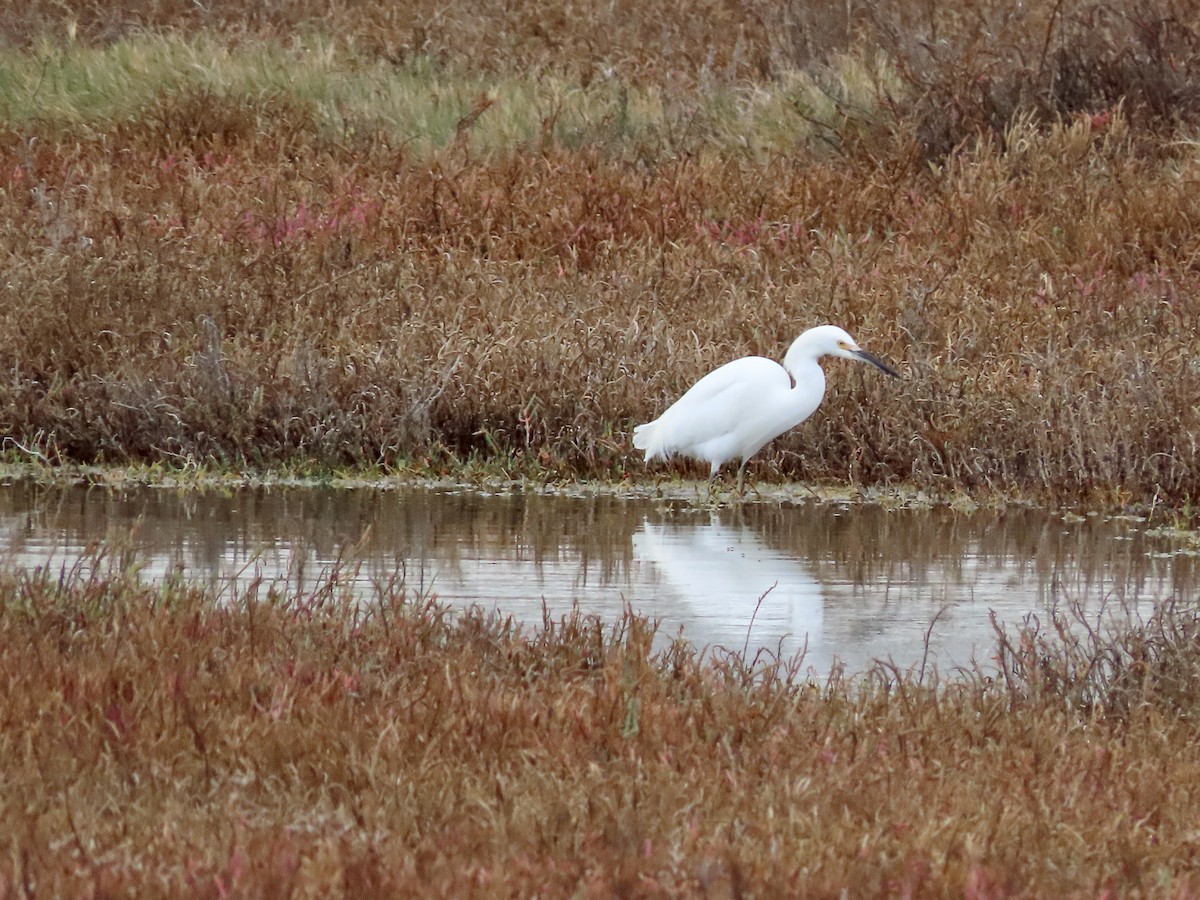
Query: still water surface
pixel 851 582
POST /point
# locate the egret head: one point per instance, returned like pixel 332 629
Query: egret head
pixel 829 340
pixel 845 346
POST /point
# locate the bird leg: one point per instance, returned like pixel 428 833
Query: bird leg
pixel 741 479
pixel 714 482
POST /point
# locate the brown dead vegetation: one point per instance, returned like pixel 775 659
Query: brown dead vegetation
pixel 221 278
pixel 160 742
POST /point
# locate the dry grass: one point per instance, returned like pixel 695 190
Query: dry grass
pixel 157 742
pixel 369 233
pixel 249 269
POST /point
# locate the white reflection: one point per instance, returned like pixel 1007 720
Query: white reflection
pixel 739 592
pixel 912 586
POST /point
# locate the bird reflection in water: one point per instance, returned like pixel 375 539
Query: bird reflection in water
pixel 721 572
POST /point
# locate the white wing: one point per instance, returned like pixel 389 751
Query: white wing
pixel 709 421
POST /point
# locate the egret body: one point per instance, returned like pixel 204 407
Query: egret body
pixel 735 410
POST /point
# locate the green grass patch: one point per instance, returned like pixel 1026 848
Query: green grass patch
pixel 420 104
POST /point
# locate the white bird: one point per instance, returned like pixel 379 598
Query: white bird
pixel 735 410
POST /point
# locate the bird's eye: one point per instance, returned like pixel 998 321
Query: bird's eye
pixel 843 345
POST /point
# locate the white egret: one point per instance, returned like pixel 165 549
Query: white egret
pixel 735 410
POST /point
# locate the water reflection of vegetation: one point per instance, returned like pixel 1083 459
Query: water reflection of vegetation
pixel 859 544
pixel 868 545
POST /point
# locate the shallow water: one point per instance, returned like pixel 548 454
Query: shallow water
pixel 849 581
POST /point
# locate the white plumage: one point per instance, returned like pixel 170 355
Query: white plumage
pixel 734 411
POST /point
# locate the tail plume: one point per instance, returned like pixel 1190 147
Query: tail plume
pixel 643 438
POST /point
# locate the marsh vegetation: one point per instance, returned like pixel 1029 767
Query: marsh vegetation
pixel 436 235
pixel 274 744
pixel 354 237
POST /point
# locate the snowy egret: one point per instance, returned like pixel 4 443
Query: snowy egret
pixel 733 411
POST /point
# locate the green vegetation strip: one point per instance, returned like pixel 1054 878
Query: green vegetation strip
pixel 417 103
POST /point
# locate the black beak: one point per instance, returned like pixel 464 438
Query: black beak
pixel 875 361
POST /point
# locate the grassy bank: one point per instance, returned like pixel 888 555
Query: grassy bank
pixel 357 236
pixel 157 742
